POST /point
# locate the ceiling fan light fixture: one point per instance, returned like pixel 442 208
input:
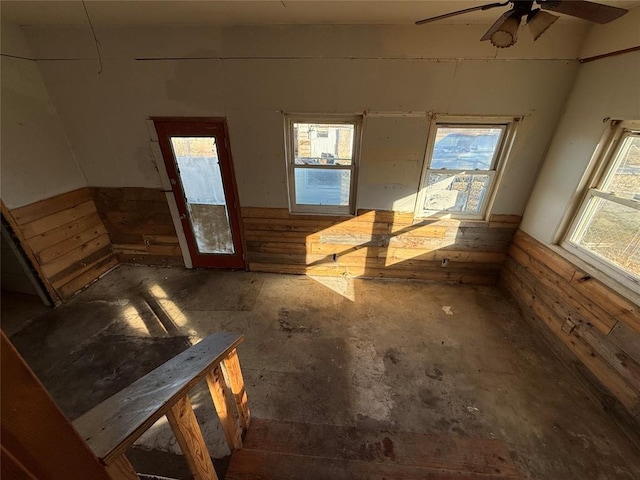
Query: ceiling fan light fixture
pixel 507 34
pixel 539 21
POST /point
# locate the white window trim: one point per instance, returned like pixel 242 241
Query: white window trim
pixel 337 119
pixel 596 175
pixel 509 124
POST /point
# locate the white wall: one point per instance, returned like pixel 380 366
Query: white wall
pixel 37 161
pixel 606 88
pixel 252 74
pixel 619 35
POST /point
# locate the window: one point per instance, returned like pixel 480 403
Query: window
pixel 606 229
pixel 322 158
pixel 463 159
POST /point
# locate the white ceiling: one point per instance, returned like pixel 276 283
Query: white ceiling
pixel 266 12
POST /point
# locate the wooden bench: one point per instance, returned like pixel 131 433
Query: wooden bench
pixel 113 426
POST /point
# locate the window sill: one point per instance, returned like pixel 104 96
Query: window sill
pixel 618 287
pixel 321 214
pixel 468 219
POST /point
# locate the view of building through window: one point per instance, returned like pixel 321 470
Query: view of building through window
pixel 323 144
pixel 322 164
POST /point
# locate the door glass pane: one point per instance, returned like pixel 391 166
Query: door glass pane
pixel 611 231
pixel 322 186
pixel 199 170
pixel 470 147
pixel 323 144
pixel 456 193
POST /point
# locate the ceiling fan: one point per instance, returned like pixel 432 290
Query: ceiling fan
pixel 503 33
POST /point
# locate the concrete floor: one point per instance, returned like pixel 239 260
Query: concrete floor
pixel 401 356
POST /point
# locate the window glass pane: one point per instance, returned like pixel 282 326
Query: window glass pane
pixel 611 231
pixel 465 147
pixel 323 144
pixel 625 180
pixel 456 193
pixel 199 170
pixel 319 186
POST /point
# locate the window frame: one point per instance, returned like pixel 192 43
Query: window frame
pixel 337 119
pixel 602 168
pixel 509 126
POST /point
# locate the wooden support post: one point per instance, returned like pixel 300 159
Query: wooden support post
pixel 121 469
pixel 187 431
pixel 224 408
pixel 236 383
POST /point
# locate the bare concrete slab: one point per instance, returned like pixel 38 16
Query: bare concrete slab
pixel 398 356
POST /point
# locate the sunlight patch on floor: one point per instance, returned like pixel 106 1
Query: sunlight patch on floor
pixel 135 322
pixel 341 285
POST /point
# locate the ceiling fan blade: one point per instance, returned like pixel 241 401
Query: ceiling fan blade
pixel 498 23
pixel 461 12
pixel 539 22
pixel 594 12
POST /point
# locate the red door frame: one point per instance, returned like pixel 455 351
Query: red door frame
pixel 168 127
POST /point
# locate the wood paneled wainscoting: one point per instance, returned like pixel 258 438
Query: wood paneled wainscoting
pixel 65 239
pixel 74 238
pixel 140 225
pixel 597 325
pixel 378 244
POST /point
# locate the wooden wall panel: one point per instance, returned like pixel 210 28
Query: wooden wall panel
pixel 65 239
pixel 77 236
pixel 377 244
pixel 598 326
pixel 139 224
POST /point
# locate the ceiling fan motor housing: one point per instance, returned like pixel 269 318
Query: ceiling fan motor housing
pixel 507 34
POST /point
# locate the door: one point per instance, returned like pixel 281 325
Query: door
pixel 198 161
